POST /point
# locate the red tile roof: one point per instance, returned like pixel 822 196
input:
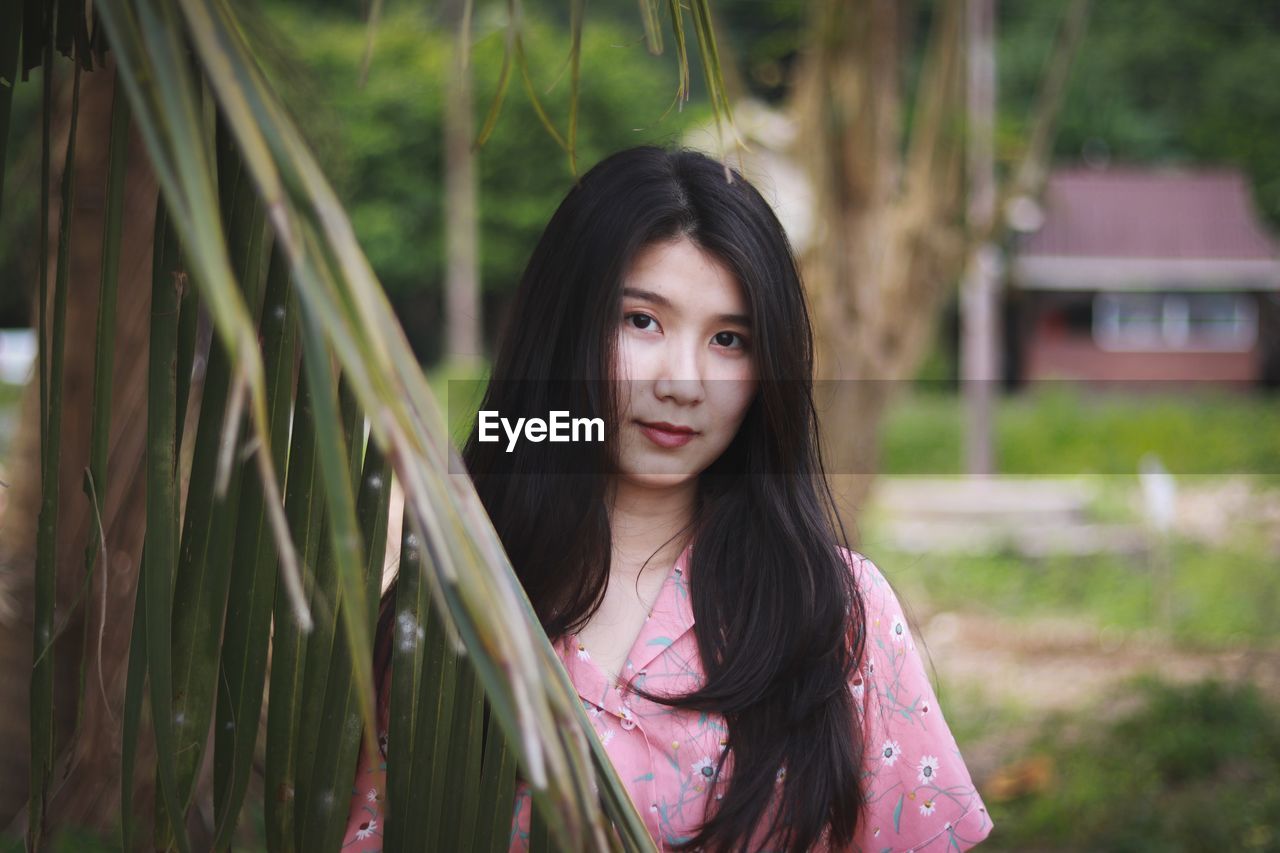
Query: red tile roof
pixel 1150 213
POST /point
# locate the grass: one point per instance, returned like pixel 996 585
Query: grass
pixel 1061 429
pixel 1222 598
pixel 1187 768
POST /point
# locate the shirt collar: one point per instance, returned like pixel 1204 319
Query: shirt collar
pixel 670 619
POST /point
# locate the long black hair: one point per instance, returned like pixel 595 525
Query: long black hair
pixel 778 618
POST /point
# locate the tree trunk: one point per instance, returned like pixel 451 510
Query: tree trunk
pixel 462 316
pixel 888 238
pixel 85 790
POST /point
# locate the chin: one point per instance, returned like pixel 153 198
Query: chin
pixel 656 480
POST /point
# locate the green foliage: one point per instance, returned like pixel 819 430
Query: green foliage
pixel 1190 768
pixel 1063 429
pixel 1184 82
pixel 383 145
pixel 20 207
pixel 1222 597
pixel 767 35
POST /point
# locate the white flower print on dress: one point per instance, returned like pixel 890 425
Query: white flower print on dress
pixel 928 807
pixel 583 654
pixel 928 769
pixel 366 829
pixel 703 769
pixel 372 795
pixel 898 630
pixel 889 752
pixel 600 722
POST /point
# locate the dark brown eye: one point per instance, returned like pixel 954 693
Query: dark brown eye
pixel 731 340
pixel 640 321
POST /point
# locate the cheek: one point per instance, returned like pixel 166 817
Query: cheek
pixel 625 375
pixel 632 359
pixel 733 398
pixel 636 360
pixel 742 404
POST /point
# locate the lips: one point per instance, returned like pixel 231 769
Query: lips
pixel 667 435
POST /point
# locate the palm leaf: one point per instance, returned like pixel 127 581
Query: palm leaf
pixel 50 450
pixel 209 527
pixel 483 690
pixel 288 647
pixel 162 512
pixel 10 26
pixel 401 428
pixel 246 634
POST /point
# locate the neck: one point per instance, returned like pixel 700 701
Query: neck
pixel 649 525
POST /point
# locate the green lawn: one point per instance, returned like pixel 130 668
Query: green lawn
pixel 1187 768
pixel 1061 429
pixel 1221 598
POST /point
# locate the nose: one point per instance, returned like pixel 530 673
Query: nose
pixel 680 374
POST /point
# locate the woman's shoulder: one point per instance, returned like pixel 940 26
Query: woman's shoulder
pixel 870 579
pixel 884 618
pixel 920 793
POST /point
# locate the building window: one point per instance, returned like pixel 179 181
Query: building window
pixel 1206 322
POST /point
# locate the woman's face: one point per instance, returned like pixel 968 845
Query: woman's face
pixel 684 363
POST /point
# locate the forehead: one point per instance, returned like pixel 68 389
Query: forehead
pixel 688 277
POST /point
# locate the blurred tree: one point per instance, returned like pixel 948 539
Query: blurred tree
pixel 382 144
pixel 1155 82
pixel 891 235
pixel 1188 81
pixel 767 37
pixel 462 315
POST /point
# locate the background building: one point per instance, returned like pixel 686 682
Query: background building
pixel 1143 274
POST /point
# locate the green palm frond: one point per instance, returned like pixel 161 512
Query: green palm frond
pixel 277 549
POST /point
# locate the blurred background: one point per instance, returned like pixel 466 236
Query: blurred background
pixel 1042 242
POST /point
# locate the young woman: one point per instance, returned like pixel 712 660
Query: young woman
pixel 752 679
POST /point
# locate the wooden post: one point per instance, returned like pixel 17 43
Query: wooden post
pixel 979 314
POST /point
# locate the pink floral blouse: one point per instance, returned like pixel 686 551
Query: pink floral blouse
pixel 920 795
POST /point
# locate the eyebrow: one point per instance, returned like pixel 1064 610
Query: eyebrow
pixel 658 299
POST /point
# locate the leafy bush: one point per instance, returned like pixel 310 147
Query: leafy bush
pixel 383 145
pixel 1189 768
